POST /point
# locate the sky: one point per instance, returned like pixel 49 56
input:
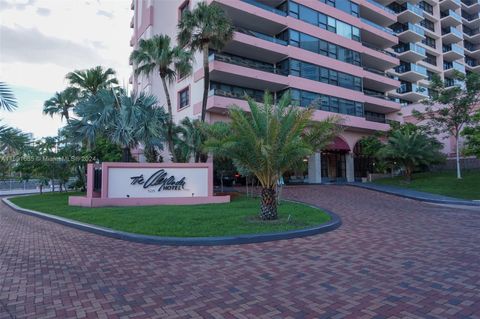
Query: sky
pixel 42 40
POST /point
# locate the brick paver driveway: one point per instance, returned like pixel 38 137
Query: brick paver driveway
pixel 392 258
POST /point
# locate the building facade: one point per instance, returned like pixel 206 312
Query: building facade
pixel 363 60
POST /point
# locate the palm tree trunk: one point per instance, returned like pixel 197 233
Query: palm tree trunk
pixel 206 81
pixel 457 151
pixel 268 206
pixel 170 120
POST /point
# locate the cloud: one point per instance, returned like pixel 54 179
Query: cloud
pixel 43 11
pixel 16 4
pixel 31 46
pixel 105 13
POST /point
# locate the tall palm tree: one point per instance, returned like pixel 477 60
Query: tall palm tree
pixel 410 148
pixel 90 81
pixel 267 142
pixel 7 99
pixel 205 27
pixel 189 139
pixel 12 139
pixel 61 103
pixel 157 54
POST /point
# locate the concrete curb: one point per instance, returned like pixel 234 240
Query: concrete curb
pixel 333 224
pixel 399 193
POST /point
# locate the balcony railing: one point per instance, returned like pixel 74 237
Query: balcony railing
pixel 375 117
pixel 470 17
pixel 399 28
pixel 261 36
pixel 234 92
pixel 470 2
pixel 409 7
pixel 385 29
pixel 266 7
pixel 454 65
pixel 373 47
pixel 410 47
pixel 452 30
pixel 471 62
pixel 410 87
pixel 453 48
pixel 470 32
pixel 376 94
pixel 245 62
pixel 375 3
pixel 452 14
pixel 410 67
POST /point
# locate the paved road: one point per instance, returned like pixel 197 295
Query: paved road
pixel 392 258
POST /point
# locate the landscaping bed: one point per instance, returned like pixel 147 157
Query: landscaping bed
pixel 443 183
pixel 235 218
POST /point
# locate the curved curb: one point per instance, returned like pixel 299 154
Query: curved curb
pixel 333 224
pixel 419 198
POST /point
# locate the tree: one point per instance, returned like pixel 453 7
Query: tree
pixel 157 54
pixel 450 109
pixel 267 142
pixel 410 148
pixel 61 103
pixel 189 139
pixel 472 136
pixel 90 81
pixel 7 99
pixel 205 27
pixel 123 120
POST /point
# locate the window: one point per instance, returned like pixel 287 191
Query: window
pixel 323 21
pixel 426 7
pixel 427 24
pixel 429 41
pixel 184 98
pixel 431 59
pixel 322 47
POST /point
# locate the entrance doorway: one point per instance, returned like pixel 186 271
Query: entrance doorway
pixel 334 167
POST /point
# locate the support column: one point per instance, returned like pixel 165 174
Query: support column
pixel 350 168
pixel 314 169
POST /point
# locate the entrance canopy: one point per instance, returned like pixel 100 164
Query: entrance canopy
pixel 338 145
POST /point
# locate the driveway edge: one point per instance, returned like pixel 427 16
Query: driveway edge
pixel 409 195
pixel 333 224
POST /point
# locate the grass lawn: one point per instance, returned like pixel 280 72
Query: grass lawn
pixel 235 218
pixel 443 183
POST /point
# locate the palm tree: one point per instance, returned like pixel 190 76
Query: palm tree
pixel 410 148
pixel 12 139
pixel 90 81
pixel 157 54
pixel 61 103
pixel 7 99
pixel 189 139
pixel 205 27
pixel 267 142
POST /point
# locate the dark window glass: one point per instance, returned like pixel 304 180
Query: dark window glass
pixel 293 7
pixel 308 42
pixel 308 15
pixel 184 97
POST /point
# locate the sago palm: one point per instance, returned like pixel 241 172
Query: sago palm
pixel 158 55
pixel 61 103
pixel 410 148
pixel 267 142
pixel 207 26
pixel 90 81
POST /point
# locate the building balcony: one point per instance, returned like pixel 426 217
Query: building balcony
pixel 452 52
pixel 223 97
pixel 132 23
pixel 409 32
pixel 472 50
pixel 411 92
pixel 410 72
pixel 450 68
pixel 132 40
pixel 408 13
pixel 472 20
pixel 472 35
pixel 453 82
pixel 377 13
pixel 450 18
pixel 132 5
pixel 450 4
pixel 472 65
pixel 451 35
pixel 410 52
pixel 379 102
pixel 380 36
pixel 470 6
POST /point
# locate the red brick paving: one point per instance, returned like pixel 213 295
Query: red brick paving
pixel 392 258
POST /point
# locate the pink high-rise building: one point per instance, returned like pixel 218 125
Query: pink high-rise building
pixel 364 60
